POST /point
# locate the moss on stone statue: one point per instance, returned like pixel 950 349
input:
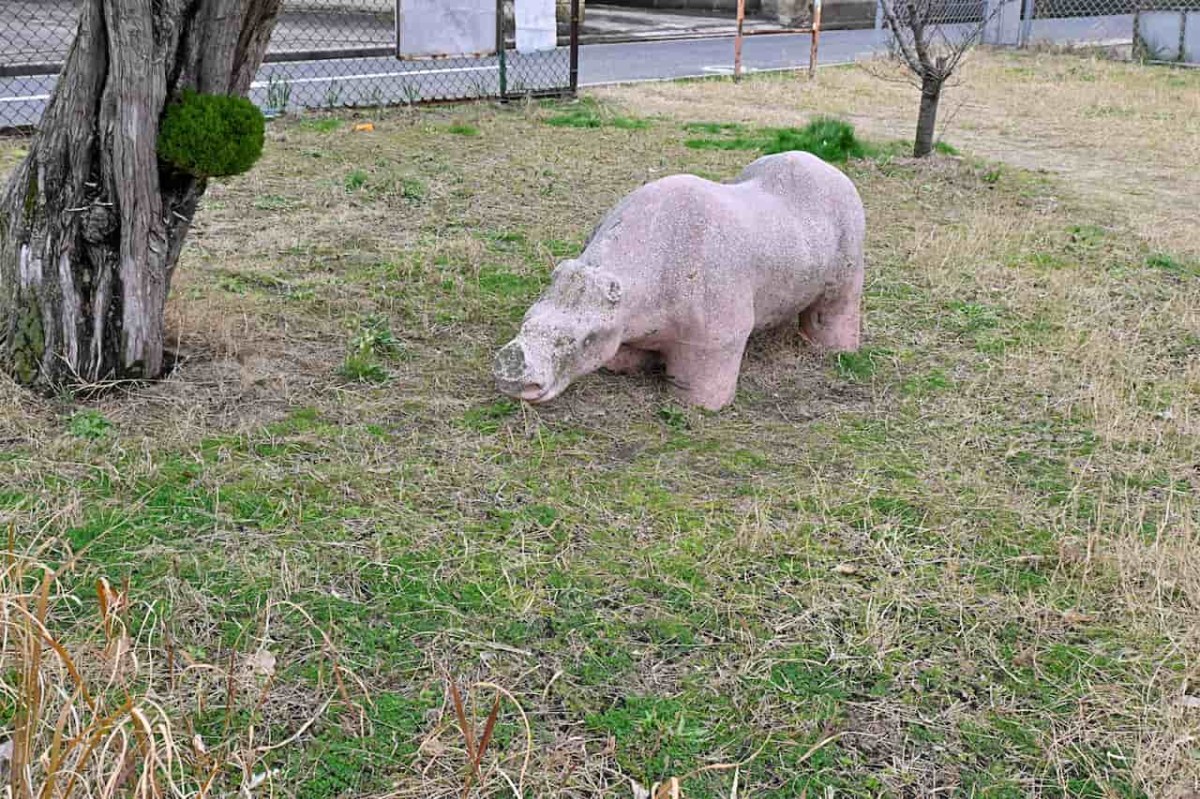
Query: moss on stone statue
pixel 209 135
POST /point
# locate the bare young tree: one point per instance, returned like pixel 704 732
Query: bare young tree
pixel 91 226
pixel 930 49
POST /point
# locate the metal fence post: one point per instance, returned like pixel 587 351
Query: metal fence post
pixel 1135 46
pixel 816 37
pixel 737 41
pixel 1029 8
pixel 574 46
pixel 1183 24
pixel 501 46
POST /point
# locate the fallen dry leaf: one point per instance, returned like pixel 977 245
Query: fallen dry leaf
pixel 432 747
pixel 1072 551
pixel 846 568
pixel 258 779
pixel 118 647
pixel 666 790
pixel 261 663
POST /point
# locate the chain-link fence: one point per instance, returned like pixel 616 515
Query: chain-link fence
pixel 331 53
pixel 1064 9
pixel 1102 22
pixel 949 12
pixel 1026 22
pixel 34 38
pixel 324 54
pixel 1167 31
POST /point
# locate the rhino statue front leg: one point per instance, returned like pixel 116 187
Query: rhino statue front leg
pixel 705 375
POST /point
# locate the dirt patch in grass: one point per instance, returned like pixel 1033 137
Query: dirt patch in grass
pixel 962 558
pixel 1123 135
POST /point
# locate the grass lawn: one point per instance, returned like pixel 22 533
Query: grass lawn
pixel 963 560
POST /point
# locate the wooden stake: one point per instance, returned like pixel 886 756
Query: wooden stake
pixel 737 42
pixel 816 35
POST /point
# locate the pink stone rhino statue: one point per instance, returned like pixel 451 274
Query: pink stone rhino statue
pixel 683 270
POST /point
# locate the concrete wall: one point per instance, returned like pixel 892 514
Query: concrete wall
pixel 835 14
pixel 847 14
pixel 1170 35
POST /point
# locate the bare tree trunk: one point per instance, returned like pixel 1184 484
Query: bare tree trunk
pixel 90 228
pixel 931 93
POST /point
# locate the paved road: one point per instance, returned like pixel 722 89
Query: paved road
pixel 619 63
pixel 381 79
pixel 616 63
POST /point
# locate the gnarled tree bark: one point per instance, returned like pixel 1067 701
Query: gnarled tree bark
pixel 90 227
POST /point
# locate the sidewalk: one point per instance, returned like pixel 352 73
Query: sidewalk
pixel 602 24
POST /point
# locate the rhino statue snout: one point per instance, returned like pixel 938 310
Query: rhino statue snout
pixel 515 375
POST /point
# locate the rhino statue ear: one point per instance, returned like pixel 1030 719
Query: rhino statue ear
pixel 598 281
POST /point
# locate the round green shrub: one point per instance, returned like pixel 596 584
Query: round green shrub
pixel 211 135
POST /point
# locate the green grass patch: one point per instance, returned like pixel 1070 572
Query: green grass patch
pixel 487 419
pixel 860 365
pixel 1168 263
pixel 272 202
pixel 90 425
pixel 323 124
pixel 830 139
pixel 495 281
pixel 963 549
pixel 588 114
pixel 355 180
pixel 714 128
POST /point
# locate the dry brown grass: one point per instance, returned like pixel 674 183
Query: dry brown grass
pixel 102 702
pixel 1121 134
pixel 960 561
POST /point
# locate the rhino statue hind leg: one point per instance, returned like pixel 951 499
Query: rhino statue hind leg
pixel 834 321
